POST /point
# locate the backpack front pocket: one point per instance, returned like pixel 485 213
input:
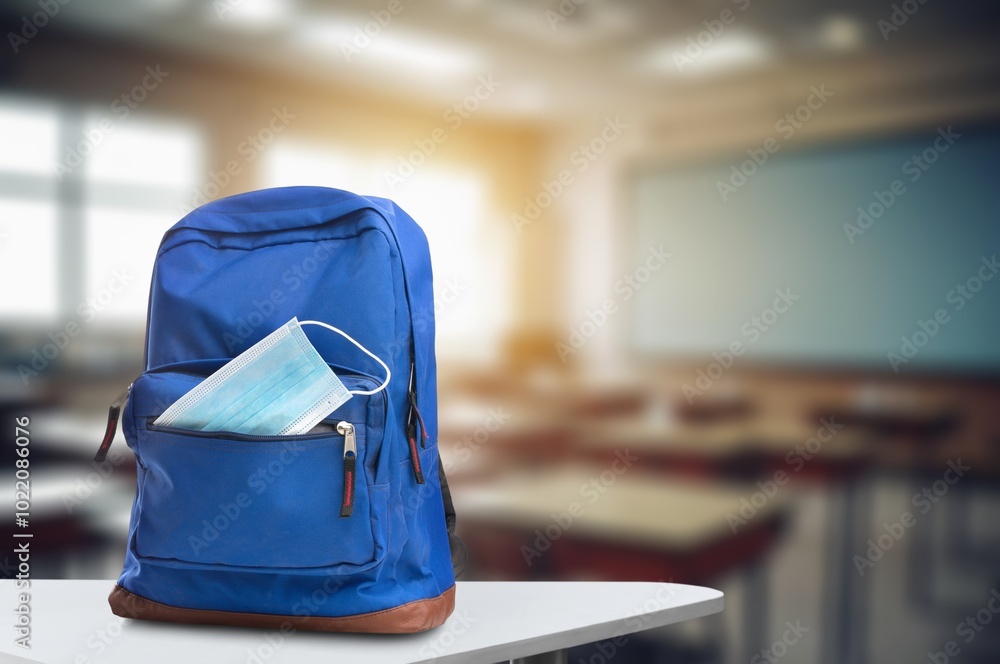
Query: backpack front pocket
pixel 222 499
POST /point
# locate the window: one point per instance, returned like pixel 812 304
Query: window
pixel 29 132
pixel 136 183
pixel 300 165
pixel 83 195
pixel 109 231
pixel 471 261
pixel 28 260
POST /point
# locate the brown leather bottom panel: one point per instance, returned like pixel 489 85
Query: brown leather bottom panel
pixel 406 619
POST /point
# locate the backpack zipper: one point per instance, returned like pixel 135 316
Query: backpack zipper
pixel 114 413
pixel 411 428
pixel 411 439
pixel 232 435
pixel 420 419
pixel 343 428
pixel 350 460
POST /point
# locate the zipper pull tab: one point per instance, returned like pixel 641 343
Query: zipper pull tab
pixel 109 433
pixel 411 437
pixel 346 429
pixel 411 426
pixel 420 418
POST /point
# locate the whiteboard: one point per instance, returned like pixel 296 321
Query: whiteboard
pixel 785 228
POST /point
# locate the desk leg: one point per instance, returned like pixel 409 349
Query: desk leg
pixel 861 499
pixel 554 657
pixel 920 563
pixel 848 639
pixel 849 523
pixel 756 611
pixel 832 581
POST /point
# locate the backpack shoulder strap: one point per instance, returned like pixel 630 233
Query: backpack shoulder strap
pixel 415 255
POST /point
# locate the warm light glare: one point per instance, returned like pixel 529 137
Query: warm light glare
pixel 695 56
pixel 842 33
pixel 368 43
pixel 252 14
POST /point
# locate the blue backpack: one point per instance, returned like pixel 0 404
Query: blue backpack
pixel 276 532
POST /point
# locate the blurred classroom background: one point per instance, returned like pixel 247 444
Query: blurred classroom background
pixel 715 280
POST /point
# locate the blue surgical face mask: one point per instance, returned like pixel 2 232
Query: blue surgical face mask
pixel 279 387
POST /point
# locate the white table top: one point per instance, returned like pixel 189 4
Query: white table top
pixel 493 622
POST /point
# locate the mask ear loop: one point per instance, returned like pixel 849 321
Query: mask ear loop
pixel 367 352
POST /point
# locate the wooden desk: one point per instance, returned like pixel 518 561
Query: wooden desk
pixel 751 449
pixel 757 450
pixel 642 527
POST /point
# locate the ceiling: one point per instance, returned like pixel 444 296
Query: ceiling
pixel 551 58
